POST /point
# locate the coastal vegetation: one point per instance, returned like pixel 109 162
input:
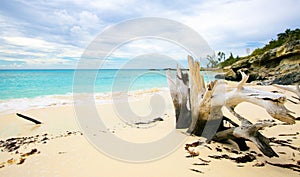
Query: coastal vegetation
pixel 282 38
pixel 278 62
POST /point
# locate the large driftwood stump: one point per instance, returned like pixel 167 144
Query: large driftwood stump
pixel 199 108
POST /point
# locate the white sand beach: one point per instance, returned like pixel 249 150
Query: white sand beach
pixel 59 146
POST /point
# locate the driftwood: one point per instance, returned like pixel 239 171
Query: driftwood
pixel 29 118
pixel 295 90
pixel 201 106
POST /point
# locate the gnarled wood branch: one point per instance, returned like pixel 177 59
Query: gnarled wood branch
pixel 251 132
pixel 272 102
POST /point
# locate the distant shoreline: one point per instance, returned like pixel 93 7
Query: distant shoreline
pixel 151 69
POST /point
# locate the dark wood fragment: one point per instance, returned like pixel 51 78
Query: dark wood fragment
pixel 29 118
pixel 195 170
pixel 200 164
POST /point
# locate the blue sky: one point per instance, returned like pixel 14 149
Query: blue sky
pixel 54 34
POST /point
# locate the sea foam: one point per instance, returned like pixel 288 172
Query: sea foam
pixel 23 104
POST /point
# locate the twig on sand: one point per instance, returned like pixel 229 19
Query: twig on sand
pixel 284 143
pixel 203 160
pixel 288 166
pixel 29 118
pixel 289 134
pixel 195 170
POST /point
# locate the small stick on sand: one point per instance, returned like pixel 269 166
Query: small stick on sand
pixel 29 118
pixel 293 167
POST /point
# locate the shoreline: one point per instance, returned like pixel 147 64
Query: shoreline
pixel 8 106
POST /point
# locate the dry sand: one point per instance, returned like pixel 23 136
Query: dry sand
pixel 66 152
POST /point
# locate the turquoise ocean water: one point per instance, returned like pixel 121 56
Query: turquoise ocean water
pixel 22 90
pixel 16 84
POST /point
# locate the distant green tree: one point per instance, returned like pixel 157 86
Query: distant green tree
pixel 212 62
pixel 231 56
pixel 221 56
pixel 230 60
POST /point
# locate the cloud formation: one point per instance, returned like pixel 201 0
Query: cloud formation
pixel 53 34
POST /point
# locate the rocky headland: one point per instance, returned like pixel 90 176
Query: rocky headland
pixel 279 65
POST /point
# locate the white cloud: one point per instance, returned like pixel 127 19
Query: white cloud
pixel 88 19
pixel 33 43
pixel 36 53
pixel 75 29
pixel 63 17
pixel 40 45
pixel 143 46
pixel 229 25
pixel 105 5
